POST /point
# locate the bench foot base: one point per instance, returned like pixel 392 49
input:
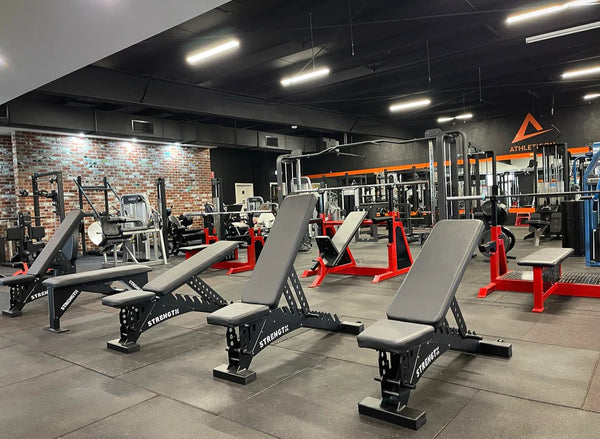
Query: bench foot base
pixel 352 327
pixel 11 313
pixel 242 377
pixel 56 331
pixel 405 417
pixel 115 345
pixel 495 348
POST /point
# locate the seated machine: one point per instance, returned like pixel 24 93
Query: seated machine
pixel 335 255
pixel 416 331
pixel 57 257
pixel 144 308
pixel 258 318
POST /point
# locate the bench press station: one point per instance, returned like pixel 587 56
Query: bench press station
pixel 258 318
pixel 546 279
pixel 416 331
pixel 335 255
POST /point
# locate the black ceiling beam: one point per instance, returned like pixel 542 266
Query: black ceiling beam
pixel 96 83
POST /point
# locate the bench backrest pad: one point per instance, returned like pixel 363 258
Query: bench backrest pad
pixel 430 286
pixel 179 275
pixel 65 231
pixel 277 257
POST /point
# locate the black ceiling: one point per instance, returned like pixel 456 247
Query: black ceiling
pixel 459 53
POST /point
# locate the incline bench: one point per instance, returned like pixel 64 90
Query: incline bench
pixel 258 316
pixel 155 303
pixel 416 331
pixel 336 257
pixel 59 254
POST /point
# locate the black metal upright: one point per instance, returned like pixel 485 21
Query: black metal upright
pixel 161 200
pixel 56 195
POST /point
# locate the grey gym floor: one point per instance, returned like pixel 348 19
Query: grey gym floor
pixel 309 383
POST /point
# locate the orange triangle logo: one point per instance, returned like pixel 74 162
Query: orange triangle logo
pixel 529 120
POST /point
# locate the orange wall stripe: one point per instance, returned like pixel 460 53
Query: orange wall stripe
pixel 523 155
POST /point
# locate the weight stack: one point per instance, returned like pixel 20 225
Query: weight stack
pixel 573 227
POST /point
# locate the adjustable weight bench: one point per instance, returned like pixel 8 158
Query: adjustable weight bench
pixel 154 303
pixel 63 290
pixel 59 254
pixel 258 316
pixel 416 331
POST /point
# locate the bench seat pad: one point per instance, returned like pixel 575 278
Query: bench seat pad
pixel 237 314
pixel 394 336
pixel 546 257
pixel 104 275
pixel 131 297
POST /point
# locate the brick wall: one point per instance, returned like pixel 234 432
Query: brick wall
pixel 7 180
pixel 129 168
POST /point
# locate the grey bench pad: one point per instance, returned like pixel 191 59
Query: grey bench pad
pixel 177 276
pixel 104 275
pixel 19 279
pixel 237 314
pixel 347 230
pixel 394 336
pixel 546 257
pixel 344 235
pixel 131 297
pixel 277 257
pixel 189 248
pixel 60 237
pixel 430 285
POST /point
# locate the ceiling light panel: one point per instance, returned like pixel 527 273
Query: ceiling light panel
pixel 409 105
pixel 549 10
pixel 210 52
pixel 563 32
pixel 595 70
pixel 304 77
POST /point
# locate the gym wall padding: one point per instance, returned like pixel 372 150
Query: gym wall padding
pixel 129 168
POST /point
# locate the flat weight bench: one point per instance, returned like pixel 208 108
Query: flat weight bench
pixel 153 304
pixel 546 264
pixel 63 290
pixel 58 255
pixel 417 332
pixel 258 316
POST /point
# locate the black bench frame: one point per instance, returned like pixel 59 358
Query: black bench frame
pixel 142 310
pixel 258 320
pixel 400 372
pixel 61 297
pixel 256 334
pixel 137 318
pixel 417 331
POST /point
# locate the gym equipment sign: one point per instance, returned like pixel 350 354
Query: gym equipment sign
pixel 525 133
